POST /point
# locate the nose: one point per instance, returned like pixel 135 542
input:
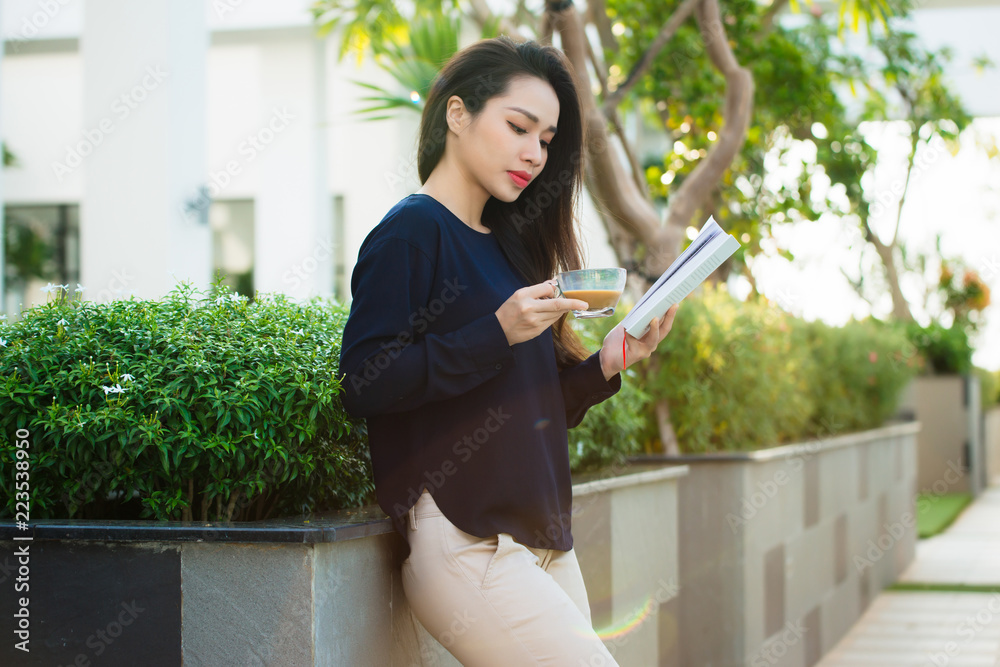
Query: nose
pixel 532 153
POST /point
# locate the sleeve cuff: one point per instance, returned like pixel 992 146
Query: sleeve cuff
pixel 592 377
pixel 487 345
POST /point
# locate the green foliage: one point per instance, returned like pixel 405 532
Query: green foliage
pixel 946 350
pixel 9 159
pixel 214 408
pixel 742 376
pixel 860 371
pixel 613 429
pixel 410 47
pixel 433 40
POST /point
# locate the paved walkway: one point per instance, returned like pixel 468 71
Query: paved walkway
pixel 934 629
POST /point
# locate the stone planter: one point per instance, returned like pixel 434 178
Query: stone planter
pixel 951 438
pixel 322 591
pixel 782 549
pixel 991 439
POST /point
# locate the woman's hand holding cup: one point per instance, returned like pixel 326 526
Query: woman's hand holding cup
pixel 531 310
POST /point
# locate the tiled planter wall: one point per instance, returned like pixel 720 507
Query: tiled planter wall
pixel 326 592
pixel 991 429
pixel 783 549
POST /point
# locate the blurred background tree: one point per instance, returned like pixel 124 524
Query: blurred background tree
pixel 694 111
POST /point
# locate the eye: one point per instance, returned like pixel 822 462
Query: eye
pixel 521 130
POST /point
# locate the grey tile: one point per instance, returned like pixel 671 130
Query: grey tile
pixel 669 635
pixel 592 543
pixel 774 590
pixel 864 589
pixel 236 611
pixel 863 473
pixel 811 495
pixel 840 549
pixel 813 637
pixel 898 449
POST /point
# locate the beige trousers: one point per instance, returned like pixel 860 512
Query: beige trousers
pixel 493 601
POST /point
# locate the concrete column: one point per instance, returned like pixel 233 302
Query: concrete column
pixel 143 155
pixel 293 220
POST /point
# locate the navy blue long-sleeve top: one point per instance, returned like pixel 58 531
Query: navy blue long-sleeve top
pixel 450 405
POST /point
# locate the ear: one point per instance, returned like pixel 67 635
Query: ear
pixel 456 115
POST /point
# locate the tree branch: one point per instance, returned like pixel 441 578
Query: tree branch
pixel 767 20
pixel 696 188
pixel 646 61
pixel 914 140
pixel 481 14
pixel 615 195
pixel 598 13
pixel 637 174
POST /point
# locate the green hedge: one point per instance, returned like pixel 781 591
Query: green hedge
pixel 229 409
pixel 226 408
pixel 747 375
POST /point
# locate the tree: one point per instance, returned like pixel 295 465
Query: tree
pixel 906 83
pixel 685 68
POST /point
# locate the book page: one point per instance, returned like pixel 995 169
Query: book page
pixel 705 254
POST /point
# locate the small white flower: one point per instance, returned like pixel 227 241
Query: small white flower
pixel 64 288
pixel 299 332
pixel 117 389
pixel 3 343
pixel 127 377
pixel 220 300
pixel 236 297
pixel 79 288
pixel 49 288
pixel 62 322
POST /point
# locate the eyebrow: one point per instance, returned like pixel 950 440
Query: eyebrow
pixel 533 117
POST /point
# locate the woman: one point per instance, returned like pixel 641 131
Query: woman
pixel 458 353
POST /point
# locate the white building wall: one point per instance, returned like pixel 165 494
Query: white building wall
pixel 262 55
pixel 142 152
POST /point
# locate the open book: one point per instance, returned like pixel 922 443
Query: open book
pixel 710 248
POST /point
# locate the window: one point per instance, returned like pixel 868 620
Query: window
pixel 41 245
pixel 232 225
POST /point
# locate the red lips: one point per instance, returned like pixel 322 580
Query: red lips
pixel 520 178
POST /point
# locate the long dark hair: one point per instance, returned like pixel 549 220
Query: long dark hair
pixel 536 232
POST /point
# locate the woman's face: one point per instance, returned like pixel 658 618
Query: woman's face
pixel 505 146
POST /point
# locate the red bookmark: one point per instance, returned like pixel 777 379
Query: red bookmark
pixel 623 350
